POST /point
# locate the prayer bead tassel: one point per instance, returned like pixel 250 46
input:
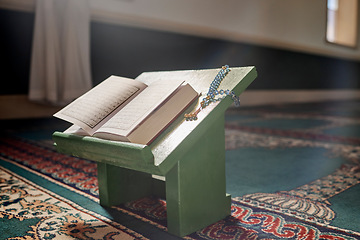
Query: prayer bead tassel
pixel 213 91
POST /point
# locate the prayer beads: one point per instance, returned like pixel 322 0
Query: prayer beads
pixel 213 91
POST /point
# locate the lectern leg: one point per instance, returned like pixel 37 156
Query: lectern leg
pixel 196 186
pixel 119 185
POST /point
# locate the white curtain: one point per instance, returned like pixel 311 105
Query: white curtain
pixel 60 64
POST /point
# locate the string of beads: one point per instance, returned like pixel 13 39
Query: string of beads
pixel 213 91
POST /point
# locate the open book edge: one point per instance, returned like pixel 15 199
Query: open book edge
pixel 158 120
pixel 128 118
pixel 171 99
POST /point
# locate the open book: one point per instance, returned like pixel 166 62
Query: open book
pixel 124 109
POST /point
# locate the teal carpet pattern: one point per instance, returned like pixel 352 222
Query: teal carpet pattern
pixel 293 172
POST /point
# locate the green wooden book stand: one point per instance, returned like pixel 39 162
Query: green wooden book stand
pixel 189 154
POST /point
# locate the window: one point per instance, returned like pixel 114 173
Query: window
pixel 342 22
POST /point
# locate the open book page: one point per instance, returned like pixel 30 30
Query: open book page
pixel 137 110
pixel 95 107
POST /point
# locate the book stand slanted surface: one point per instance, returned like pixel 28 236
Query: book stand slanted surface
pixel 189 154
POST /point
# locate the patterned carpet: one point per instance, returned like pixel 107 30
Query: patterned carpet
pixel 292 170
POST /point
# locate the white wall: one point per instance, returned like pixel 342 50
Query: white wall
pixel 290 24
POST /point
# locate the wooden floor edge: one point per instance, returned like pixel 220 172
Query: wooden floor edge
pixel 19 106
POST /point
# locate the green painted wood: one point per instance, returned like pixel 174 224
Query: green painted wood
pixel 174 140
pixel 190 154
pixel 128 155
pixel 165 151
pixel 119 185
pixel 195 186
pixel 194 135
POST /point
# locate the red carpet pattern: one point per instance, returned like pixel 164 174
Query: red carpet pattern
pixel 43 214
pixel 47 195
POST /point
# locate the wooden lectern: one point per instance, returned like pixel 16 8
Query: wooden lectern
pixel 189 154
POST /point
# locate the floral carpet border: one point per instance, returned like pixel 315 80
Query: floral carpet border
pixel 246 221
